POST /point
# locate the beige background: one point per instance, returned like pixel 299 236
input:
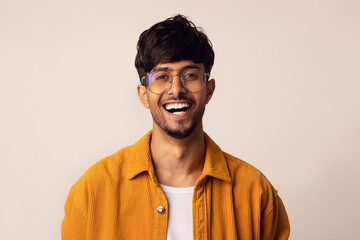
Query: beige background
pixel 287 101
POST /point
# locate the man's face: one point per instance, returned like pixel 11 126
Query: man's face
pixel 177 112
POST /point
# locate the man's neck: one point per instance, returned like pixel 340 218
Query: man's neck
pixel 178 162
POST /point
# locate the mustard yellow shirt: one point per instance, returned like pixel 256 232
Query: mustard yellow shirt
pixel 119 198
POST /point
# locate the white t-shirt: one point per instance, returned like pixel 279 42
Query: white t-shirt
pixel 180 212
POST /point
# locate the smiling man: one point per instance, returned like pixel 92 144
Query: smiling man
pixel 175 182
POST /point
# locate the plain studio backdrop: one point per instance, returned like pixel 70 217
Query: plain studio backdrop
pixel 287 101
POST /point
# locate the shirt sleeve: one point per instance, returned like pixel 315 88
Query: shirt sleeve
pixel 74 224
pixel 274 222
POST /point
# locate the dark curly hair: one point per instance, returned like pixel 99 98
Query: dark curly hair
pixel 172 40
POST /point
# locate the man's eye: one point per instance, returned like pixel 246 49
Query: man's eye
pixel 162 77
pixel 190 76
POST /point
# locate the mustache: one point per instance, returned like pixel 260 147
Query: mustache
pixel 179 98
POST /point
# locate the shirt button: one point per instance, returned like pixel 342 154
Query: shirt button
pixel 160 210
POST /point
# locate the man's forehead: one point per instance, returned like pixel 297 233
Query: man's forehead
pixel 184 64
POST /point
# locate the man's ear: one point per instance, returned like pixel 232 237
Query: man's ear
pixel 210 86
pixel 141 89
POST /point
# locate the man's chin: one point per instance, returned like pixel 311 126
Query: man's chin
pixel 179 134
pixel 178 129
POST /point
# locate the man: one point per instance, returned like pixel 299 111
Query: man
pixel 175 182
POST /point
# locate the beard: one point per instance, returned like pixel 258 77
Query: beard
pixel 181 131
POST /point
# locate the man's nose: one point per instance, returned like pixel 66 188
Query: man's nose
pixel 176 86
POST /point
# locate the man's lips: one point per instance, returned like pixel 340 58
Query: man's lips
pixel 177 108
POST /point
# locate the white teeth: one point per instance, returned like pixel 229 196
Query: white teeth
pixel 176 105
pixel 178 113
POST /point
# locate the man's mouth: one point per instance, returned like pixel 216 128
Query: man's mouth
pixel 177 108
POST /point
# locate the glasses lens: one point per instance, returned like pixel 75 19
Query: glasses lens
pixel 159 81
pixel 193 79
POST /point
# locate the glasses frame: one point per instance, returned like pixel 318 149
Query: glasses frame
pixel 144 82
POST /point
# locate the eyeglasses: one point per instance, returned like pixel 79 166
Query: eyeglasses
pixel 160 81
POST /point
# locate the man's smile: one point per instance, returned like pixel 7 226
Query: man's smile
pixel 177 108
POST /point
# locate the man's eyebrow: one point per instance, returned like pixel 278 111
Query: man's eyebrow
pixel 191 66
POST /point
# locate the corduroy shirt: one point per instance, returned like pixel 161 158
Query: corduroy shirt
pixel 118 198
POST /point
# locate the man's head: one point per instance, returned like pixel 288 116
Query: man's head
pixel 174 61
pixel 173 40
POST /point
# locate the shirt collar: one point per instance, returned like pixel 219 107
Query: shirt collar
pixel 215 163
pixel 140 160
